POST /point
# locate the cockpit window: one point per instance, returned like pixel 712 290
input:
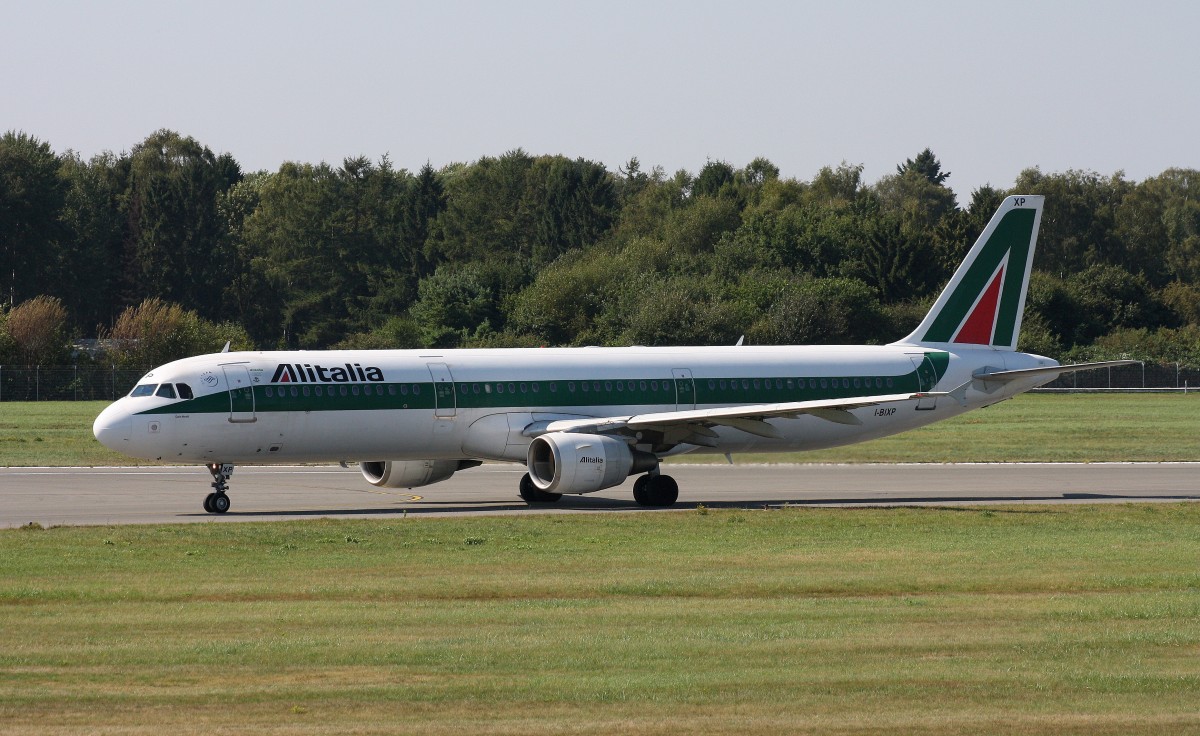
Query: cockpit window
pixel 145 389
pixel 166 391
pixel 185 391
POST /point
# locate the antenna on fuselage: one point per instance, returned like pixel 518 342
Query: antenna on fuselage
pixel 226 348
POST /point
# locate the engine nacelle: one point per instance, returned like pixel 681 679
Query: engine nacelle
pixel 409 473
pixel 581 463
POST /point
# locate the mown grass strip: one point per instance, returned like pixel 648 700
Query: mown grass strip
pixel 1042 620
pixel 1035 428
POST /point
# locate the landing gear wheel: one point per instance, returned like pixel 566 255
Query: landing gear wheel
pixel 217 502
pixel 656 490
pixel 220 503
pixel 530 493
pixel 639 490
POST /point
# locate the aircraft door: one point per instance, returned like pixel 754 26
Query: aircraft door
pixel 445 402
pixel 685 388
pixel 926 380
pixel 241 393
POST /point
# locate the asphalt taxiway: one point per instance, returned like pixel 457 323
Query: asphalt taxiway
pixel 91 496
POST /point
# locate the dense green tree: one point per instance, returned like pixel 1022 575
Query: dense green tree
pixel 31 197
pixel 570 204
pixel 822 312
pixel 87 264
pixel 926 165
pixel 484 214
pixel 530 250
pixel 715 179
pixel 176 244
pixel 1078 225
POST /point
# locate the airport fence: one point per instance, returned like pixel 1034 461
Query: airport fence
pixel 108 383
pixel 66 382
pixel 1137 377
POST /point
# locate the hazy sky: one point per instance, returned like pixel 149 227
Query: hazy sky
pixel 991 87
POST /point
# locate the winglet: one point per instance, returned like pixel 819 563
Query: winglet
pixel 984 301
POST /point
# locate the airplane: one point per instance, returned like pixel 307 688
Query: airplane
pixel 586 419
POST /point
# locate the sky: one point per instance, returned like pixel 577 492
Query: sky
pixel 991 88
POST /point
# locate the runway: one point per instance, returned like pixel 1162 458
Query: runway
pixel 101 496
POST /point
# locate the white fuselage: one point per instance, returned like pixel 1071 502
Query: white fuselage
pixel 298 406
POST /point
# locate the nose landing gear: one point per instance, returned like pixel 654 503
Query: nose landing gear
pixel 217 502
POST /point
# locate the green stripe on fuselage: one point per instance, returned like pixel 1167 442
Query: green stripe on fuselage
pixel 551 395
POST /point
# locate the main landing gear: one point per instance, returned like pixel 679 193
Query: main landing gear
pixel 217 502
pixel 532 494
pixel 653 489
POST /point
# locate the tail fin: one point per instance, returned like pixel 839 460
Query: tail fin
pixel 984 301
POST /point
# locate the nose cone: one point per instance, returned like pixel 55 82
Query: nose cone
pixel 113 428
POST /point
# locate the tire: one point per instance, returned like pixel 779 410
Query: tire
pixel 532 494
pixel 220 503
pixel 661 491
pixel 639 490
pixel 208 503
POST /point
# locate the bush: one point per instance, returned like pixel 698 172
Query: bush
pixel 157 332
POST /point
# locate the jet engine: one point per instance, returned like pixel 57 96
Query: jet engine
pixel 411 473
pixel 581 463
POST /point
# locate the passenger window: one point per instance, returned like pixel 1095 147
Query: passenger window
pixel 166 391
pixel 185 391
pixel 146 389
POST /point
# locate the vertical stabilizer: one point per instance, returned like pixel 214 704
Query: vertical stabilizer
pixel 984 301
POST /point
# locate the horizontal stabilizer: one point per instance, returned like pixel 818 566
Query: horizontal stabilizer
pixel 1054 370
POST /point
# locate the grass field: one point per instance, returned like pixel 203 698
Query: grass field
pixel 1043 427
pixel 1032 620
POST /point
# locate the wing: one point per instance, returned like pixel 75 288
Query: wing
pixel 693 426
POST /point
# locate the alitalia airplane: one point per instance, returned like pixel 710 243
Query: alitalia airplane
pixel 586 419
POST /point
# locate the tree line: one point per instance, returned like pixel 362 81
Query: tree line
pixel 170 249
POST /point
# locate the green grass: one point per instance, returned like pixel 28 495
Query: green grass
pixel 1038 620
pixel 1042 428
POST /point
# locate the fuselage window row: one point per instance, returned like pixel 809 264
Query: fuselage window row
pixel 184 391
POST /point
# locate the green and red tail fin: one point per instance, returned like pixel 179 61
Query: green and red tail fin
pixel 984 301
